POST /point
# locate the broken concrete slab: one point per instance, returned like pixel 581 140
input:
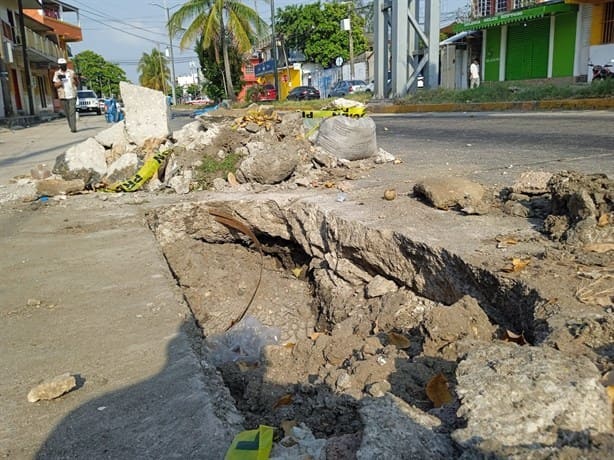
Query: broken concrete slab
pixel 451 192
pixel 122 168
pixel 394 429
pixel 147 113
pixel 532 182
pixel 116 134
pixel 268 163
pixel 84 161
pixel 54 187
pixel 521 395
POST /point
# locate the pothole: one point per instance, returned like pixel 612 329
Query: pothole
pixel 343 314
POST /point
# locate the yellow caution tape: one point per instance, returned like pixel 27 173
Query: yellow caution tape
pixel 251 445
pixel 143 175
pixel 352 112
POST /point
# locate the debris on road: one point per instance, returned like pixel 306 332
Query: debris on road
pixel 52 388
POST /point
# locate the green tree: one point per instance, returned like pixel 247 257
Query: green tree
pixel 213 70
pixel 218 25
pixel 315 29
pixel 154 72
pixel 97 74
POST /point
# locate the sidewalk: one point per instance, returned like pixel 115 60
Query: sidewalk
pixel 86 290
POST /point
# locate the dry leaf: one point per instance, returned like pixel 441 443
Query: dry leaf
pixel 604 219
pixel 329 184
pixel 437 390
pixel 287 426
pixel 232 179
pixel 285 400
pixel 314 335
pixel 289 345
pixel 510 336
pixel 297 271
pixel 517 265
pixel 398 340
pixel 599 247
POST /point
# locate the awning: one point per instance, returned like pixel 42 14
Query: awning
pixel 515 16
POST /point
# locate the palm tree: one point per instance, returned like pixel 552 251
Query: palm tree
pixel 220 23
pixel 153 71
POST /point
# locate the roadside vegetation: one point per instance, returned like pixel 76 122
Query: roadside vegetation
pixel 512 92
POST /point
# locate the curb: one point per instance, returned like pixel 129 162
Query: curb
pixel 553 104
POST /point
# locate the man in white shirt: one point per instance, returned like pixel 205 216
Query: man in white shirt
pixel 474 74
pixel 65 80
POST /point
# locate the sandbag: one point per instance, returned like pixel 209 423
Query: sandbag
pixel 348 138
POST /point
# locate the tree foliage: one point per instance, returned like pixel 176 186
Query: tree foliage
pixel 218 26
pixel 154 72
pixel 315 29
pixel 213 70
pixel 97 74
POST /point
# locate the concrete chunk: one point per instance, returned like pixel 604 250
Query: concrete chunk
pixel 147 113
pixel 53 388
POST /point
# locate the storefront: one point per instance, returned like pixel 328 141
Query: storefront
pixel 532 43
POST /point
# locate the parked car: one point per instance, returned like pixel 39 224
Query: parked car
pixel 101 104
pixel 301 93
pixel 344 87
pixel 419 82
pixel 200 101
pixel 87 101
pixel 266 93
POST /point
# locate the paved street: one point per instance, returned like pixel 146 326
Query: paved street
pixel 495 147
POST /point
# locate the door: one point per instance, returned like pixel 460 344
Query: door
pixel 527 50
pixel 16 93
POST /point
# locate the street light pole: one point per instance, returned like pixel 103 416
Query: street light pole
pixel 274 48
pixel 171 52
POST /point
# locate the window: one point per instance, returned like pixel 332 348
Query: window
pixel 523 3
pixel 608 23
pixel 501 6
pixel 483 8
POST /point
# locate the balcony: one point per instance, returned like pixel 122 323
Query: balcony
pixel 55 14
pixel 40 49
pixel 484 8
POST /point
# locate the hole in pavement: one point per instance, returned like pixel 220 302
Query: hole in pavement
pixel 342 313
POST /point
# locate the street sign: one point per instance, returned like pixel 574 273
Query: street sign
pixel 339 61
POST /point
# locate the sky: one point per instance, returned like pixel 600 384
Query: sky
pixel 122 30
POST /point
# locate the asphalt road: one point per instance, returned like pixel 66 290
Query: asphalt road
pixel 488 147
pixel 495 147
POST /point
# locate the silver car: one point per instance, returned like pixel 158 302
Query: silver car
pixel 345 87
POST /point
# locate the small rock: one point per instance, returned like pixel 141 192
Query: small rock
pixel 344 381
pixel 52 388
pixel 252 128
pixel 452 192
pixel 532 182
pixel 40 172
pixel 380 286
pixel 53 187
pixel 382 156
pixel 181 183
pixel 379 389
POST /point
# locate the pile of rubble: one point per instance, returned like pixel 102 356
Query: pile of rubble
pixel 259 150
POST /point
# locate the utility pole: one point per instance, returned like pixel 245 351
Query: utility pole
pixel 171 52
pixel 274 48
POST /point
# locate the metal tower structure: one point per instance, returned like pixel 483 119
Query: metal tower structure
pixel 404 49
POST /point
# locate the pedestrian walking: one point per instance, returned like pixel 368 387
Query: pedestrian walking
pixel 65 80
pixel 474 74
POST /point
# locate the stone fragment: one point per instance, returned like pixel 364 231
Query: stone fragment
pixel 53 187
pixel 40 172
pixel 181 182
pixel 116 134
pixel 522 395
pixel 123 168
pixel 268 163
pixel 379 286
pixel 252 128
pixel 348 138
pixel 383 156
pixel 379 389
pixel 532 183
pixel 299 444
pixel 444 327
pixel 323 158
pixel 451 192
pixel 52 388
pixel 201 139
pixel 188 132
pixel 22 190
pixel 85 161
pixel 394 430
pixel 147 113
pixel 516 209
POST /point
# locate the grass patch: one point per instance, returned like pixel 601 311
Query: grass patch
pixel 212 168
pixel 511 92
